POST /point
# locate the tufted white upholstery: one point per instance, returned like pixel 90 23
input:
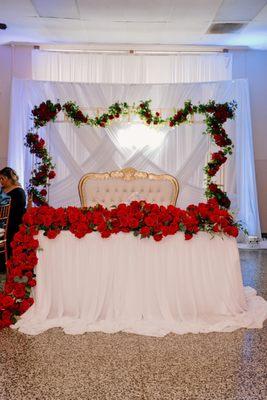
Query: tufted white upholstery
pixel 109 189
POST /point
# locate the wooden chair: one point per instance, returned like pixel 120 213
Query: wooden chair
pixel 4 216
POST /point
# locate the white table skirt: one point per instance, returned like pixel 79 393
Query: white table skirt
pixel 125 283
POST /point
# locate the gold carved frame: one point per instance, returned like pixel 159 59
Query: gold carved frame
pixel 128 174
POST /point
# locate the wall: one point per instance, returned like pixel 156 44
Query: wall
pixel 253 66
pixel 16 61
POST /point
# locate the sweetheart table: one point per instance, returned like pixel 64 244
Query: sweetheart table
pixel 129 284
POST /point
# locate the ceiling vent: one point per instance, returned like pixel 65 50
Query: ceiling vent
pixel 225 27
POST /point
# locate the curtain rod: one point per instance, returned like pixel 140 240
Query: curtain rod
pixel 131 52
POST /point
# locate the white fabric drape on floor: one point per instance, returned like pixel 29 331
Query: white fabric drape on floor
pixel 125 283
pixel 182 153
pixel 117 68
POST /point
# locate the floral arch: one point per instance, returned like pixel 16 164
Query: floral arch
pixel 215 115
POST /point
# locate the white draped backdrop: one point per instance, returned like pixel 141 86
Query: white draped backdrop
pixel 181 152
pixel 110 68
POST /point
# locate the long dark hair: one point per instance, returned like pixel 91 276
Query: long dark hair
pixel 10 174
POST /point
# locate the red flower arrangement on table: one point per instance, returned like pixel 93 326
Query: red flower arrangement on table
pixel 215 115
pixel 142 219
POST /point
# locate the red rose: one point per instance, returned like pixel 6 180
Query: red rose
pixel 33 244
pixel 29 274
pixel 124 229
pixel 145 231
pixel 133 223
pixel 80 234
pixel 25 304
pixel 52 233
pixel 225 202
pixel 173 229
pixel 150 220
pixel 115 230
pixel 105 234
pixel 8 287
pixel 73 214
pixel 19 291
pixel 43 192
pixel 51 175
pixel 32 261
pixel 32 282
pixel 102 226
pixel 6 302
pixel 231 230
pixel 213 187
pixel 212 172
pixel 17 272
pixel 157 237
pixel 216 228
pixel 6 315
pixel 165 230
pixel 188 236
pixel 234 231
pixel 6 320
pixel 5 323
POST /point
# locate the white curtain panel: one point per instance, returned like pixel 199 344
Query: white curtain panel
pixel 182 151
pixel 114 68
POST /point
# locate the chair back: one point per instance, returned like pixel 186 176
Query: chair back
pixel 126 185
pixel 4 216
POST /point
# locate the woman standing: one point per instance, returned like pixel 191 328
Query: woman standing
pixel 9 182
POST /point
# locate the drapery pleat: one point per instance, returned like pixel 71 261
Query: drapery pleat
pixel 182 153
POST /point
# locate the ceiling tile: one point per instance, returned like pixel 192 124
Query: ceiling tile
pixel 262 16
pixel 21 8
pixel 56 8
pixel 204 10
pixel 126 10
pixel 239 10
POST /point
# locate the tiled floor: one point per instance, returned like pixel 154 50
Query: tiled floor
pixel 216 366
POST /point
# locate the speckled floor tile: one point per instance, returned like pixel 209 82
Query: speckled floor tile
pixel 98 366
pixel 58 366
pixel 254 270
pixel 211 366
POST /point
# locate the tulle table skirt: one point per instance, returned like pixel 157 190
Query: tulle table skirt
pixel 129 284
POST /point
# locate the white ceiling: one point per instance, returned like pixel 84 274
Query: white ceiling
pixel 182 22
